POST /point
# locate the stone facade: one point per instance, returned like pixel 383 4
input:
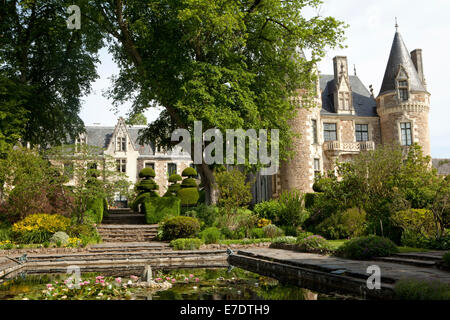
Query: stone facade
pixel 348 119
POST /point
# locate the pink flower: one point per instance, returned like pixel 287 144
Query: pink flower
pixel 174 280
pixel 167 278
pixel 197 279
pixel 191 275
pixel 119 280
pixel 49 285
pixel 186 279
pixel 134 278
pixel 87 282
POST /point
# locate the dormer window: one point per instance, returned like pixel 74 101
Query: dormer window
pixel 403 91
pixel 121 144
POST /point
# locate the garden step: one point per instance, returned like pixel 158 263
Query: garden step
pixel 428 256
pixel 127 232
pixel 408 261
pixel 124 218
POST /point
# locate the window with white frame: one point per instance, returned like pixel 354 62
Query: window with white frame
pixel 317 171
pixel 406 134
pixel 150 165
pixel 121 165
pixel 121 144
pixel 329 132
pixel 362 132
pixel 403 90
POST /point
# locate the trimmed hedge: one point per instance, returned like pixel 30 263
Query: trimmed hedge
pixel 147 173
pixel 156 209
pixel 189 183
pixel 188 196
pixel 186 244
pixel 141 199
pixel 174 178
pixel 189 172
pixel 96 208
pixel 180 227
pixel 367 247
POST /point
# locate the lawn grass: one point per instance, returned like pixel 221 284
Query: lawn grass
pixel 335 244
pixel 410 249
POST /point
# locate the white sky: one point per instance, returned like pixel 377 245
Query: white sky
pixel 369 36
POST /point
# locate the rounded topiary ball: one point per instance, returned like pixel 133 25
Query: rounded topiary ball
pixel 174 178
pixel 189 172
pixel 189 183
pixel 147 173
pixel 147 185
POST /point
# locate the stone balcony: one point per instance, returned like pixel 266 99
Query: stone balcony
pixel 335 148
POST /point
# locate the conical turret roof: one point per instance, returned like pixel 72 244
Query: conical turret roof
pixel 400 56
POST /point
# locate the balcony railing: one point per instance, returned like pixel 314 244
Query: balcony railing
pixel 348 147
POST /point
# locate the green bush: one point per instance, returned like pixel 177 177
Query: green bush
pixel 268 209
pixel 141 199
pixel 147 173
pixel 413 289
pixel 313 244
pixel 367 247
pixel 272 231
pixel 60 238
pixel 180 227
pixel 293 211
pixel 157 209
pixel 240 224
pixel 211 235
pixel 417 221
pixel 95 208
pixel 5 232
pixel 188 196
pixel 257 233
pixel 303 235
pixel 446 259
pixel 285 240
pixel 147 186
pixel 186 244
pixel 189 172
pixel 341 225
pixel 206 214
pixel 189 183
pixel 174 178
pixel 290 230
pixel 310 199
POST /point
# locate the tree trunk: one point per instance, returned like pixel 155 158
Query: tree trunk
pixel 209 181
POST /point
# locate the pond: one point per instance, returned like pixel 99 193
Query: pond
pixel 186 284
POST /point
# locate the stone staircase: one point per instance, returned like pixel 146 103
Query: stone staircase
pixel 428 259
pixel 124 225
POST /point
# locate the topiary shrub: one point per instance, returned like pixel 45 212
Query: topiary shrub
pixel 186 244
pixel 174 178
pixel 313 244
pixel 272 231
pixel 60 238
pixel 367 247
pixel 211 235
pixel 188 196
pixel 189 183
pixel 189 172
pixel 180 227
pixel 147 173
pixel 141 199
pixel 95 207
pixel 157 209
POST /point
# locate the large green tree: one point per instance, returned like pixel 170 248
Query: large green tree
pixel 45 68
pixel 230 64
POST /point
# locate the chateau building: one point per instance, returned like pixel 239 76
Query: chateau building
pixel 349 119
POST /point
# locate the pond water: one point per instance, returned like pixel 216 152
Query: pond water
pixel 189 284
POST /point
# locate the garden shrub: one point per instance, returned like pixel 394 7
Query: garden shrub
pixel 188 192
pixel 272 231
pixel 413 289
pixel 147 173
pixel 141 199
pixel 285 240
pixel 418 221
pixel 206 214
pixel 290 230
pixel 211 235
pixel 186 244
pixel 240 224
pixel 263 222
pixel 367 247
pixel 446 259
pixel 38 228
pixel 303 235
pixel 189 172
pixel 60 238
pixel 5 232
pixel 174 178
pixel 310 199
pixel 157 209
pixel 293 211
pixel 180 227
pixel 341 225
pixel 268 209
pixel 313 244
pixel 257 233
pixel 96 207
pixel 6 245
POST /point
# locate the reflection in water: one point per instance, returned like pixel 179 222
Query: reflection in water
pixel 213 284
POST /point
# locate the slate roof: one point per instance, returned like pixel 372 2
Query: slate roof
pixel 442 165
pixel 400 56
pixel 363 103
pixel 100 136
